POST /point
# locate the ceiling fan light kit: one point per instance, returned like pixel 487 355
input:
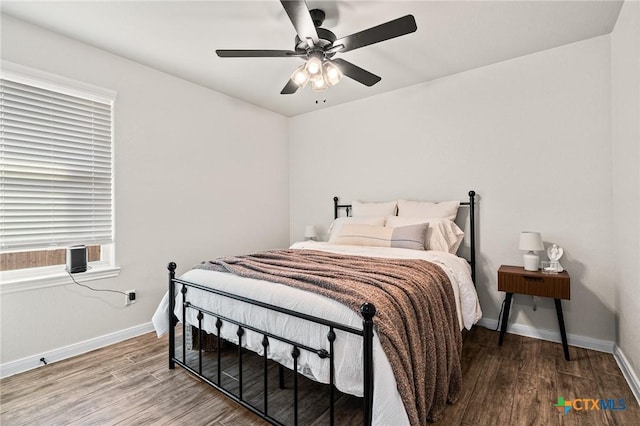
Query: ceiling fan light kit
pixel 318 46
pixel 321 74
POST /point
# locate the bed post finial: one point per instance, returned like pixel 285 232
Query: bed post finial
pixel 335 207
pixel 368 310
pixel 172 266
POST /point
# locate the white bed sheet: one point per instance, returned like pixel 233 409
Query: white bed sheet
pixel 387 404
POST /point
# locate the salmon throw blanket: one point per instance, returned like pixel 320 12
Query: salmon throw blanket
pixel 416 318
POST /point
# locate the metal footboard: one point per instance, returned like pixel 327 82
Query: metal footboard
pixel 367 310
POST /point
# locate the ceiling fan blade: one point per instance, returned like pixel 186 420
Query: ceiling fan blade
pixel 355 72
pixel 388 30
pixel 301 19
pixel 290 88
pixel 248 53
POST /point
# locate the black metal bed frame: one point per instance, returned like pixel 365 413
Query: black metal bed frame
pixel 367 310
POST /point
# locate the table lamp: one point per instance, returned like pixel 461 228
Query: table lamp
pixel 531 242
pixel 310 232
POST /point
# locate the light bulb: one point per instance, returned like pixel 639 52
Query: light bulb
pixel 332 73
pixel 300 76
pixel 318 85
pixel 314 66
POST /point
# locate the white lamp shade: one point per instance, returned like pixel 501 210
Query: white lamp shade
pixel 314 66
pixel 332 74
pixel 318 84
pixel 300 76
pixel 310 231
pixel 531 241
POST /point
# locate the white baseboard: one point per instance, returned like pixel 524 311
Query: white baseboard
pixel 627 371
pixel 28 363
pixel 552 336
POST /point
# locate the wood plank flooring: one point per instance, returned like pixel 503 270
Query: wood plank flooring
pixel 129 383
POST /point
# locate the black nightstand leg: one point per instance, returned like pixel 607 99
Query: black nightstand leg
pixel 505 317
pixel 563 332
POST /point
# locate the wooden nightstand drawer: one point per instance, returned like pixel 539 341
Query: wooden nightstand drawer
pixel 514 279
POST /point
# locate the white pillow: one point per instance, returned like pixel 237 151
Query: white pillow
pixel 442 234
pixel 442 210
pixel 362 209
pixel 409 237
pixel 334 229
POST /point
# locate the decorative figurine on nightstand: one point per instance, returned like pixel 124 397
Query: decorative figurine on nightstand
pixel 555 253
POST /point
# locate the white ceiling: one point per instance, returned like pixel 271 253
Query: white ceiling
pixel 180 38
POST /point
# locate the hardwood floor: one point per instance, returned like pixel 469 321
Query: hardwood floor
pixel 129 383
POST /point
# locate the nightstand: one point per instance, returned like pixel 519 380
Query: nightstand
pixel 514 279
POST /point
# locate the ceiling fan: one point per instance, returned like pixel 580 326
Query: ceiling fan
pixel 318 46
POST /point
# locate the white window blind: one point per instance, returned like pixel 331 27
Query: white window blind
pixel 55 167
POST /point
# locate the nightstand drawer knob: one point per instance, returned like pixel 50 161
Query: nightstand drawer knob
pixel 532 278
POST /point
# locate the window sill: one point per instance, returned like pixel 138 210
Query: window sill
pixel 35 278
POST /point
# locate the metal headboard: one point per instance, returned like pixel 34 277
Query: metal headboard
pixel 472 225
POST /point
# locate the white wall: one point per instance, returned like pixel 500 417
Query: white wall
pixel 197 174
pixel 625 65
pixel 530 135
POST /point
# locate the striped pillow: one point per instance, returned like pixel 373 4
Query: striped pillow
pixel 410 237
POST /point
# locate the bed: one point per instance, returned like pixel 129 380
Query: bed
pixel 309 309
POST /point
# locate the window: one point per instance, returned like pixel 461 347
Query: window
pixel 56 171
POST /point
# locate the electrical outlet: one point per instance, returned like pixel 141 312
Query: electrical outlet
pixel 130 297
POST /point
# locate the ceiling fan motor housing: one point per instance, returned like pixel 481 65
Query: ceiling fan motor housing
pixel 325 37
pixel 325 40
